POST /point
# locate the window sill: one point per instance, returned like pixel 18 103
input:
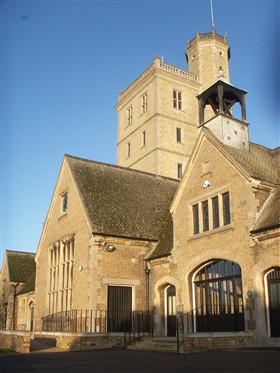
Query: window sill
pixel 62 215
pixel 212 231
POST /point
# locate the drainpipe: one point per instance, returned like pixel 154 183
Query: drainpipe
pixel 147 272
pixel 14 304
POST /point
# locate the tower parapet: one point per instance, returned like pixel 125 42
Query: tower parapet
pixel 206 54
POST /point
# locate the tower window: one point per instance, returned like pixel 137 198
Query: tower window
pixel 129 115
pixel 177 100
pixel 143 138
pixel 178 134
pixel 144 103
pixel 128 149
pixel 179 170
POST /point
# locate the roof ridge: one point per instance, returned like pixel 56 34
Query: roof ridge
pixel 121 167
pixel 20 252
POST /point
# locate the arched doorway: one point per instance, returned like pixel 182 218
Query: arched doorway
pixel 218 297
pixel 170 310
pixel 273 289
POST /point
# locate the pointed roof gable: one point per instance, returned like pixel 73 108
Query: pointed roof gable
pixel 259 162
pixel 270 217
pixel 21 265
pixel 123 202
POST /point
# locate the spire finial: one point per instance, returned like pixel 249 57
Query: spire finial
pixel 212 15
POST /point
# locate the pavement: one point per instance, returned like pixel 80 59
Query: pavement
pixel 52 360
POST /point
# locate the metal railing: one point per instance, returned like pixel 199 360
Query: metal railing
pixel 209 318
pixel 132 324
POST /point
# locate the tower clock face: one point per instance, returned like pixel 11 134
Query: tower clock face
pixel 65 203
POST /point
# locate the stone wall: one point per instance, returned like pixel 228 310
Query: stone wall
pixel 203 342
pixel 81 341
pixel 15 340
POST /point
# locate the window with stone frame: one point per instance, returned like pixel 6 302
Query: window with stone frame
pixel 211 213
pixel 144 103
pixel 129 116
pixel 177 99
pixel 179 134
pixel 179 170
pixel 61 261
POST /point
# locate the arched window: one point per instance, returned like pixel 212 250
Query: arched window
pixel 218 297
pixel 273 287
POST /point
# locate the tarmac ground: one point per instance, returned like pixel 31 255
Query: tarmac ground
pixel 126 361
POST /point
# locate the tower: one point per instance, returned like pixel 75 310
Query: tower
pixel 158 113
pixel 207 55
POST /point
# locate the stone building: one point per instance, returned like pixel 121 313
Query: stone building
pixel 17 270
pixel 187 224
pixel 157 113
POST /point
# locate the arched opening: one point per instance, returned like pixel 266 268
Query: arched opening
pixel 218 297
pixel 170 307
pixel 31 316
pixel 273 301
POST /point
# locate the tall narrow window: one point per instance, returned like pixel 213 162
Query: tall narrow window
pixel 215 210
pixel 61 275
pixel 179 170
pixel 64 202
pixel 177 100
pixel 144 103
pixel 205 216
pixel 129 115
pixel 128 149
pixel 195 219
pixel 226 208
pixel 143 138
pixel 178 134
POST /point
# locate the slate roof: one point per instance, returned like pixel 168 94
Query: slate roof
pixel 124 202
pixel 260 162
pixel 21 265
pixel 263 164
pixel 29 286
pixel 270 217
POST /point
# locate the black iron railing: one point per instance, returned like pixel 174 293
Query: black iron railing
pixel 132 324
pixel 83 321
pixel 209 318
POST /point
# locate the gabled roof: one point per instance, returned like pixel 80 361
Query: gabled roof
pixel 124 202
pixel 270 217
pixel 21 265
pixel 260 162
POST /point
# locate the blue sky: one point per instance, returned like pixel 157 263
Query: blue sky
pixel 64 62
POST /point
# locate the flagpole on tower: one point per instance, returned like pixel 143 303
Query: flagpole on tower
pixel 212 15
